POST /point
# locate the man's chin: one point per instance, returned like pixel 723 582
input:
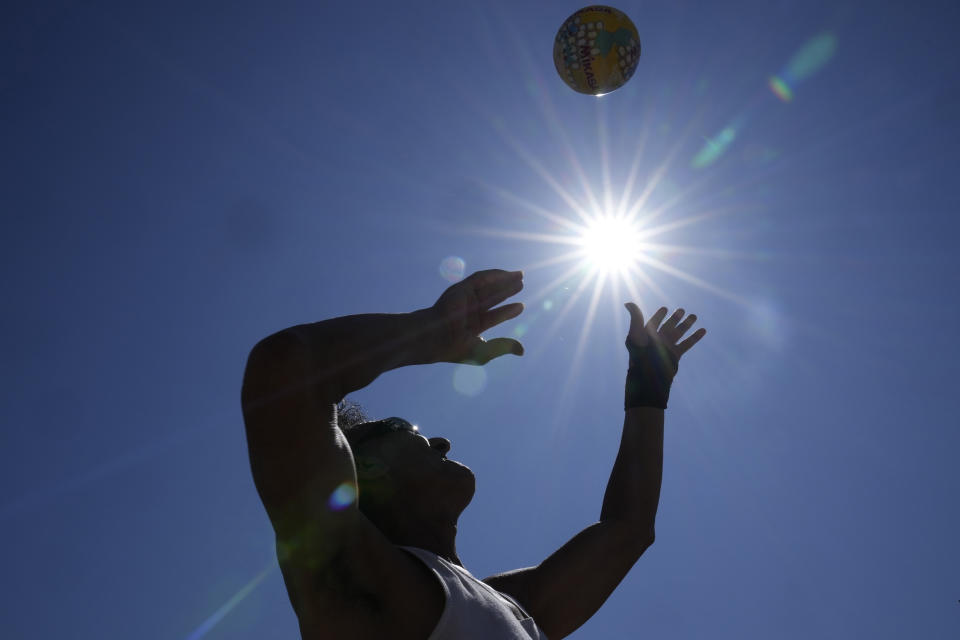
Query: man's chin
pixel 462 469
pixel 464 476
pixel 456 463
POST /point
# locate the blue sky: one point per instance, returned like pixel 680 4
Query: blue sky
pixel 181 180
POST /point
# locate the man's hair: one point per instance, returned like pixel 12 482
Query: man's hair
pixel 350 416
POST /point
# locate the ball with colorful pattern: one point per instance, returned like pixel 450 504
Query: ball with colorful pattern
pixel 596 50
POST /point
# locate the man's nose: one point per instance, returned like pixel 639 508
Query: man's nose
pixel 440 444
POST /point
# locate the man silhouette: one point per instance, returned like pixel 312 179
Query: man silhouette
pixel 366 516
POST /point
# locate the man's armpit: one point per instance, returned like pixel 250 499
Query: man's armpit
pixel 330 595
pixel 339 583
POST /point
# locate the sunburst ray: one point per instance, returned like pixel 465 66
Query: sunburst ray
pixel 691 279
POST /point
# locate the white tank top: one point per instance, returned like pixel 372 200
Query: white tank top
pixel 474 610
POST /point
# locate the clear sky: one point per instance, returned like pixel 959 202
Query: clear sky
pixel 181 180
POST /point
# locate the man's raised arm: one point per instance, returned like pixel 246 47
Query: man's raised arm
pixel 294 379
pixel 566 589
pixel 345 578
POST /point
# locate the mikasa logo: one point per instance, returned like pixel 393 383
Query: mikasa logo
pixel 585 60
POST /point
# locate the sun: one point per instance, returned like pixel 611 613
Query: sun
pixel 610 244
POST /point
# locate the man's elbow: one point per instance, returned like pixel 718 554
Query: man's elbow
pixel 648 542
pixel 274 365
pixel 281 346
pixel 644 538
pixel 635 538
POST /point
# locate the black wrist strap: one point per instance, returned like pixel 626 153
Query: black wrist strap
pixel 651 371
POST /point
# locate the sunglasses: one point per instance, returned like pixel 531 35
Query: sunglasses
pixel 370 430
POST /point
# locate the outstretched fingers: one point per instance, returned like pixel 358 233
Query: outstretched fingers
pixel 487 350
pixel 656 319
pixel 494 286
pixel 673 329
pixel 684 326
pixel 669 330
pixel 494 317
pixel 687 344
pixel 490 276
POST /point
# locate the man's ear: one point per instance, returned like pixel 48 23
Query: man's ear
pixel 370 467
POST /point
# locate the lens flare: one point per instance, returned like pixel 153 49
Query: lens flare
pixel 229 605
pixel 342 497
pixel 714 148
pixel 812 56
pixel 808 60
pixel 452 268
pixel 469 380
pixel 780 88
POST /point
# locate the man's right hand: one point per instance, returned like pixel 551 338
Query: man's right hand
pixel 467 309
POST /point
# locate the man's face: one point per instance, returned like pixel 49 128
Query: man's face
pixel 417 465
